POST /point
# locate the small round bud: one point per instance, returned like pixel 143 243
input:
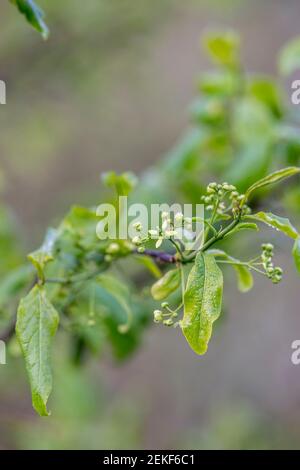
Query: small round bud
pixel 138 226
pixel 136 240
pixel 164 215
pixel 165 304
pixel 113 248
pixel 210 190
pixel 269 247
pixel 141 249
pixel 153 233
pixel 170 233
pixel 168 322
pixel 158 317
pixel 278 271
pixel 108 258
pixel 178 217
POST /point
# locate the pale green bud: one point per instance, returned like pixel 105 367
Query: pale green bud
pixel 158 317
pixel 112 248
pixel 136 240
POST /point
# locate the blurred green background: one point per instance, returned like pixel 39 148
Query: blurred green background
pixel 110 89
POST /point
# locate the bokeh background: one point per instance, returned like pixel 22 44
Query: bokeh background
pixel 110 89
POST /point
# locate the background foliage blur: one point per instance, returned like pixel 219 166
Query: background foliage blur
pixel 110 90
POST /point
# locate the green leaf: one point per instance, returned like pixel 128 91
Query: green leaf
pixel 202 302
pixel 210 111
pixel 120 292
pixel 33 14
pixel 279 223
pixel 81 222
pixel 12 284
pixel 37 322
pixel 150 265
pixel 123 184
pixel 166 285
pixel 44 254
pixel 289 58
pixel 244 276
pixel 243 226
pixel 252 122
pixel 111 302
pixel 267 92
pixel 272 178
pixel 222 83
pixel 223 47
pixel 296 253
pixel 252 163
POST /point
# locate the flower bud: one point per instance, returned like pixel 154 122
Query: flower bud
pixel 136 240
pixel 113 248
pixel 178 217
pixel 158 317
pixel 138 226
pixel 153 233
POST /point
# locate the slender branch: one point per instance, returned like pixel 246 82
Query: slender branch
pixel 159 256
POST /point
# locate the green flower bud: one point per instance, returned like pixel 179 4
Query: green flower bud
pixel 113 248
pixel 138 226
pixel 136 240
pixel 210 190
pixel 168 322
pixel 158 317
pixel 269 247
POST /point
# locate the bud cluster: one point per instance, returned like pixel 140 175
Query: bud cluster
pixel 215 195
pixel 165 316
pixel 273 273
pixel 167 230
pixel 116 250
